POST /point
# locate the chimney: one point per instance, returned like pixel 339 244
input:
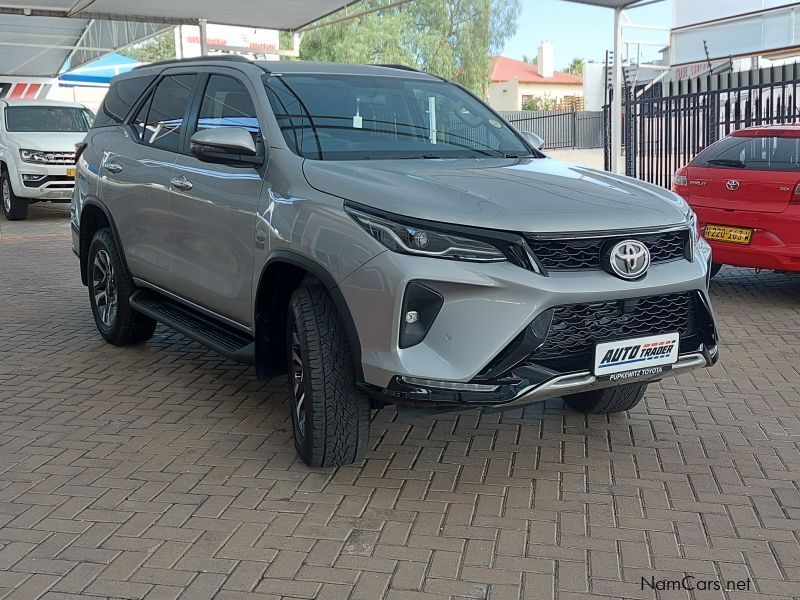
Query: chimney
pixel 545 60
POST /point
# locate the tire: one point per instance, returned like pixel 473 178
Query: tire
pixel 14 207
pixel 607 400
pixel 110 288
pixel 330 417
pixel 715 268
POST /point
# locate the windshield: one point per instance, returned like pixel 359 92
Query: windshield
pixel 49 119
pixel 366 117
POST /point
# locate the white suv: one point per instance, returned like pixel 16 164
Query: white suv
pixel 37 152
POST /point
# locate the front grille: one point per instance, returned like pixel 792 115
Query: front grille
pixel 59 158
pixel 584 253
pixel 576 328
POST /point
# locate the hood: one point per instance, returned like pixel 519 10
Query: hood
pixel 526 195
pixel 45 140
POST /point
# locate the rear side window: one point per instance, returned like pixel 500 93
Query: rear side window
pixel 120 97
pixel 227 103
pixel 768 153
pixel 166 112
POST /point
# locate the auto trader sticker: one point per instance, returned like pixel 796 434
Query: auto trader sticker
pixel 637 357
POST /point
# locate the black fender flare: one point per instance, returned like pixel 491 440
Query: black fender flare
pixel 323 275
pixel 91 201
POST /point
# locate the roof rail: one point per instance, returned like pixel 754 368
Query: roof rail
pixel 213 57
pixel 400 67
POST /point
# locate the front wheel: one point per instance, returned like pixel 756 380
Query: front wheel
pixel 14 207
pixel 608 400
pixel 330 417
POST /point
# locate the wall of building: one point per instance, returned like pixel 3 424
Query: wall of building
pixel 508 95
pixel 732 28
pixel 504 95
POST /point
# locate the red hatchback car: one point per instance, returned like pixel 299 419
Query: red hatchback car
pixel 745 190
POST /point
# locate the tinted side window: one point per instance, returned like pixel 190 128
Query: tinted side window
pixel 769 153
pixel 140 119
pixel 168 111
pixel 227 103
pixel 120 97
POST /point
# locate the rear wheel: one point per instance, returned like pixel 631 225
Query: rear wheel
pixel 608 400
pixel 110 289
pixel 715 268
pixel 330 417
pixel 14 207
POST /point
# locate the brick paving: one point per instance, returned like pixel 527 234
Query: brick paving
pixel 164 471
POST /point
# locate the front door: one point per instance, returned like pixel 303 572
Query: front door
pixel 214 208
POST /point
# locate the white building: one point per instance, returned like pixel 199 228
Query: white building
pixel 513 82
pixel 746 33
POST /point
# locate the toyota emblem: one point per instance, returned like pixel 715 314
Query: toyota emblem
pixel 732 185
pixel 629 259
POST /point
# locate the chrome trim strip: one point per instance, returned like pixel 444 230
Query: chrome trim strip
pixel 584 381
pixel 580 235
pixel 197 307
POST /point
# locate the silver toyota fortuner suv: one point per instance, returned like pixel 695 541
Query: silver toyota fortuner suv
pixel 383 237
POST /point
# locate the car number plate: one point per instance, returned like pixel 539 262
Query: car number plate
pixel 71 172
pixel 636 357
pixel 722 233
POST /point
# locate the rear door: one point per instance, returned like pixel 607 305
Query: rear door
pixel 746 173
pixel 136 171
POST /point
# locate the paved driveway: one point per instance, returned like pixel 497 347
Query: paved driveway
pixel 164 471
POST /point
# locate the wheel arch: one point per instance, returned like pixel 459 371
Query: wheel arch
pixel 95 216
pixel 283 272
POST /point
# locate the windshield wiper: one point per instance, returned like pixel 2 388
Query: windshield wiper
pixel 726 162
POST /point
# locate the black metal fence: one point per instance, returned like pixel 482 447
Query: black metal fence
pixel 561 129
pixel 668 125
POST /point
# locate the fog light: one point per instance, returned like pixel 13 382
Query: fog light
pixel 421 305
pixel 27 177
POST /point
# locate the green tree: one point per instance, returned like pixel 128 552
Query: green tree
pixel 532 60
pixel 575 67
pixel 159 47
pixel 544 102
pixel 449 38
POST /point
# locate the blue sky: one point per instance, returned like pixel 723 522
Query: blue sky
pixel 578 30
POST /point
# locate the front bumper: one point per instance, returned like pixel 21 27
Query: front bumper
pixel 487 307
pixel 44 182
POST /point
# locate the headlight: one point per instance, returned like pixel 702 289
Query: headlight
pixel 419 241
pixel 693 224
pixel 33 156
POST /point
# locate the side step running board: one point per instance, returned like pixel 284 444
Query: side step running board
pixel 230 342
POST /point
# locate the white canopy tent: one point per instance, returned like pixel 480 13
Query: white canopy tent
pixel 38 37
pixel 617 165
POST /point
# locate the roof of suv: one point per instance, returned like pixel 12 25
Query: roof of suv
pixel 323 68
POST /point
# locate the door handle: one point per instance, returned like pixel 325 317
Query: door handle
pixel 182 183
pixel 113 166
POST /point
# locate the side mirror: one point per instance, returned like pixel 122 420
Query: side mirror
pixel 533 139
pixel 225 144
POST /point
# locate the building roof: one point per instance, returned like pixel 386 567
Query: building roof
pixel 506 69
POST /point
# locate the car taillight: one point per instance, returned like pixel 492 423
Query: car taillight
pixel 795 199
pixel 679 179
pixel 79 148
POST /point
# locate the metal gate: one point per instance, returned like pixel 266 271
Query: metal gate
pixel 665 127
pixel 561 129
